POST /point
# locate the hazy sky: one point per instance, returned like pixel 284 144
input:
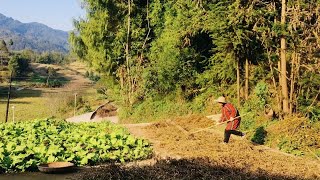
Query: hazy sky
pixel 57 14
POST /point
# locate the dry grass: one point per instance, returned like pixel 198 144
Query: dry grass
pixel 169 141
pixel 301 134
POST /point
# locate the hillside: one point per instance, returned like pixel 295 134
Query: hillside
pixel 35 36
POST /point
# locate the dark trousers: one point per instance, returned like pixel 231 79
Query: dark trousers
pixel 227 134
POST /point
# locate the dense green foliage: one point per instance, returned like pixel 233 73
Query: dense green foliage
pixel 259 135
pixel 153 48
pixel 24 145
pixel 17 65
pixel 45 57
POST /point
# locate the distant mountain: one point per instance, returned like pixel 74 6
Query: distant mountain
pixel 35 36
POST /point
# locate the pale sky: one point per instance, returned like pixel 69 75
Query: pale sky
pixel 57 14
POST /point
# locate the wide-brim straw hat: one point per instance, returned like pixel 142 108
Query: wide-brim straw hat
pixel 221 99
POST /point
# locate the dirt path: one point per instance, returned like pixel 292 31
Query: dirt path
pixel 73 72
pixel 171 142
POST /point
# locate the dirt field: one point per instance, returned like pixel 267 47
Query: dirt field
pixel 204 156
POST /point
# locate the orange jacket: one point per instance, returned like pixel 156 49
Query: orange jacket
pixel 229 111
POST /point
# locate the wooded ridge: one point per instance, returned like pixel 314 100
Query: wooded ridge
pixel 34 36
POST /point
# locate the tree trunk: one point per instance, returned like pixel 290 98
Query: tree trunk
pixel 279 88
pixel 297 77
pixel 48 80
pixel 128 85
pixel 292 81
pixel 238 82
pixel 9 93
pixel 149 29
pixel 274 83
pixel 246 93
pixel 284 85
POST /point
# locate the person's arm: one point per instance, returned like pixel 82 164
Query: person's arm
pixel 223 115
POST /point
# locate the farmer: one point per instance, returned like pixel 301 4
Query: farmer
pixel 231 115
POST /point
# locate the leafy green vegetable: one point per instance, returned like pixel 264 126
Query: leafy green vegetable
pixel 24 145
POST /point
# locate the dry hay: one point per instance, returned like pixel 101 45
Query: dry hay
pixel 296 129
pixel 239 154
pixel 107 111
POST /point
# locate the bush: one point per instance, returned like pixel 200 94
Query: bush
pixel 259 135
pixel 261 91
pixel 86 74
pixel 152 110
pixel 94 77
pixel 55 83
pixel 289 146
pixel 18 65
pixel 67 105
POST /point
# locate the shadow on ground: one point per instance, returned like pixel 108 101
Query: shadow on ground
pixel 177 169
pixel 20 94
pixel 187 169
pixel 13 102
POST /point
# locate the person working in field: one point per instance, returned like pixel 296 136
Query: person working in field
pixel 231 115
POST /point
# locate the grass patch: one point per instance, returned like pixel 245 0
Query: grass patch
pixel 42 81
pixel 149 111
pixel 26 108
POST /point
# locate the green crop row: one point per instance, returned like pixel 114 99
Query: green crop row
pixel 24 145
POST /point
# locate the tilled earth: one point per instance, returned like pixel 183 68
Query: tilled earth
pixel 202 155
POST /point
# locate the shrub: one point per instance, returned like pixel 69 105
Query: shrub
pixel 261 91
pixel 259 135
pixel 289 146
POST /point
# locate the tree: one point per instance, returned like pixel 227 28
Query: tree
pixel 153 49
pixel 18 65
pixel 283 70
pixel 14 65
pixel 10 42
pixel 3 46
pixel 50 72
pixel 4 53
pixel 111 39
pixel 235 41
pixel 304 32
